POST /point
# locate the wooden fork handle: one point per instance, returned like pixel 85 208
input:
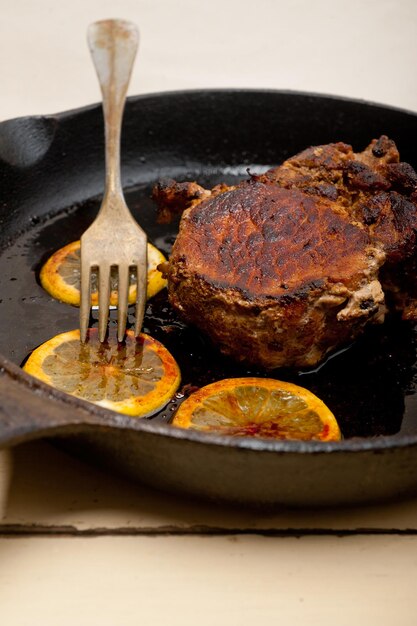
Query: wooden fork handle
pixel 113 45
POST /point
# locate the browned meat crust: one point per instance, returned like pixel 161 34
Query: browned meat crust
pixel 173 198
pixel 288 266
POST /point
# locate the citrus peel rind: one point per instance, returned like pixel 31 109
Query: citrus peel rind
pixel 137 377
pixel 60 276
pixel 258 407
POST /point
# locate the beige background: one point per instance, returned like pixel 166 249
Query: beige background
pixel 360 48
pixel 80 546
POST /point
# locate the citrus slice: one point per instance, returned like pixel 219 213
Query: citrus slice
pixel 137 377
pixel 60 276
pixel 258 407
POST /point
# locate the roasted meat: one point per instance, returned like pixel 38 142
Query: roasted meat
pixel 293 264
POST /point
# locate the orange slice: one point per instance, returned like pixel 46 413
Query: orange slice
pixel 258 407
pixel 137 377
pixel 60 276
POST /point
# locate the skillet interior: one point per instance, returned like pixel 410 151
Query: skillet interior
pixel 52 169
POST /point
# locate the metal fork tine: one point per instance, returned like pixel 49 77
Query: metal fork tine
pixel 142 279
pixel 85 299
pixel 114 237
pixel 123 295
pixel 104 299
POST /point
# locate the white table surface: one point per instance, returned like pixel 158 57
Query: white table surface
pixel 81 546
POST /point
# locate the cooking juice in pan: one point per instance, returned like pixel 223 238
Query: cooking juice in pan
pixel 370 386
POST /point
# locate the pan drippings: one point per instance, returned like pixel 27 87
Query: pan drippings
pixel 370 386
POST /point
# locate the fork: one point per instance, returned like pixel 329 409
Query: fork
pixel 114 239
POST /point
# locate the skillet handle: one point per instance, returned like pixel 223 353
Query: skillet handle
pixel 28 412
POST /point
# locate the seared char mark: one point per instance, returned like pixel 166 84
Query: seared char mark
pixel 403 177
pixel 392 220
pixel 384 147
pixel 364 177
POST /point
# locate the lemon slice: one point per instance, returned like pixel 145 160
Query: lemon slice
pixel 60 276
pixel 258 407
pixel 137 377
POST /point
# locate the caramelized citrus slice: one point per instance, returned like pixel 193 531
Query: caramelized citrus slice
pixel 258 407
pixel 60 276
pixel 137 377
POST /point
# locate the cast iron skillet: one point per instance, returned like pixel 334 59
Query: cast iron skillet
pixel 51 173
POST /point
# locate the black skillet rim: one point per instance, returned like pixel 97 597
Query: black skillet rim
pixel 115 420
pixel 221 91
